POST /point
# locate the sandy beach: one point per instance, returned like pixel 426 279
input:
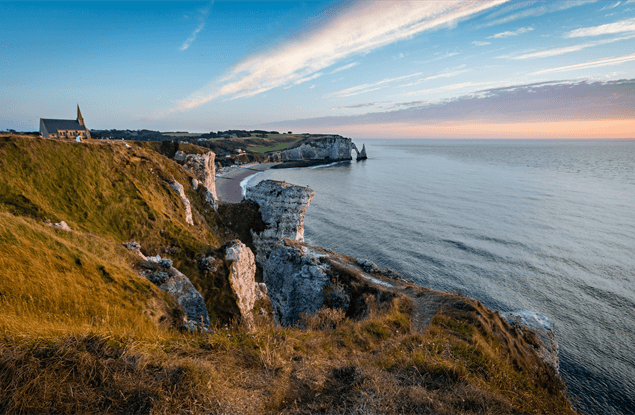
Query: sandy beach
pixel 228 185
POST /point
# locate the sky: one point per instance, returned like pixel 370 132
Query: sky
pixel 369 69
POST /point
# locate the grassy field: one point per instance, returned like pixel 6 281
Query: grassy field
pixel 277 147
pixel 81 331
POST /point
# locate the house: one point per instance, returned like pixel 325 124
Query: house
pixel 64 128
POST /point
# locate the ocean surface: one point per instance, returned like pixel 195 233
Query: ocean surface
pixel 541 225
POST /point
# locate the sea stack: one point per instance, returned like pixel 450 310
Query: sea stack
pixel 362 154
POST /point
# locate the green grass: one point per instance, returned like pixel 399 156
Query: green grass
pixel 277 147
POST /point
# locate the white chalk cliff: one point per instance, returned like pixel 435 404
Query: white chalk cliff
pixel 325 148
pixel 204 170
pixel 282 206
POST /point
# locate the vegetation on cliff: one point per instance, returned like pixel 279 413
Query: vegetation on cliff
pixel 82 331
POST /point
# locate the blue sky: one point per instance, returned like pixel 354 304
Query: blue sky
pixel 362 69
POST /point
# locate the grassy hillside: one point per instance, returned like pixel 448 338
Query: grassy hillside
pixel 58 283
pixel 117 193
pixel 81 331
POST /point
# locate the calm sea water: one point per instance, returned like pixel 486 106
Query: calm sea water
pixel 546 226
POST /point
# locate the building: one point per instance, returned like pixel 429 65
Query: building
pixel 64 128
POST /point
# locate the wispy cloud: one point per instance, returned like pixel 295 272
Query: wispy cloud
pixel 618 60
pixel 437 76
pixel 365 105
pixel 343 68
pixel 203 13
pixel 453 87
pixel 360 28
pixel 360 89
pixel 508 33
pixel 567 49
pixel 438 58
pixel 546 7
pixel 612 6
pixel 479 43
pixel 627 25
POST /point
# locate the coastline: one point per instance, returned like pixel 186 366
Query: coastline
pixel 228 188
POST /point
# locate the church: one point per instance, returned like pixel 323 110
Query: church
pixel 64 128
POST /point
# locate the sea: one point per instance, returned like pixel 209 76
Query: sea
pixel 545 226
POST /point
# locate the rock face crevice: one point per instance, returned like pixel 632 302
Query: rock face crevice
pixel 282 207
pixel 204 170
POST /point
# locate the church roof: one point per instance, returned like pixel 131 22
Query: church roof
pixel 53 126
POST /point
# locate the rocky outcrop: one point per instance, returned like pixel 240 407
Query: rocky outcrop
pixel 362 154
pixel 242 271
pixel 282 207
pixel 178 187
pixel 296 281
pixel 549 349
pixel 204 170
pixel 62 225
pixel 324 148
pixel 161 273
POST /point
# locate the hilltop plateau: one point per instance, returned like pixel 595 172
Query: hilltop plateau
pixel 99 241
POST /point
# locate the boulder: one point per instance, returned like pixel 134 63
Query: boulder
pixel 63 226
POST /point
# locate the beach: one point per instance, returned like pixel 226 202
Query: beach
pixel 228 185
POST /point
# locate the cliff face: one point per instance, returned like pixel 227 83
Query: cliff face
pixel 282 207
pixel 326 148
pixel 295 282
pixel 203 168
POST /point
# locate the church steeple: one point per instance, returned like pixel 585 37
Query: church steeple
pixel 80 119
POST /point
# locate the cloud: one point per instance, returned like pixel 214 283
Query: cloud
pixel 452 87
pixel 627 25
pixel 202 16
pixel 479 43
pixel 591 64
pixel 360 89
pixel 359 28
pixel 612 6
pixel 553 101
pixel 438 58
pixel 343 68
pixel 368 104
pixel 546 7
pixel 441 75
pixel 567 49
pixel 508 33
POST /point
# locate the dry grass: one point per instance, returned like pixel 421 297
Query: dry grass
pixel 81 332
pixel 55 282
pixel 378 365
